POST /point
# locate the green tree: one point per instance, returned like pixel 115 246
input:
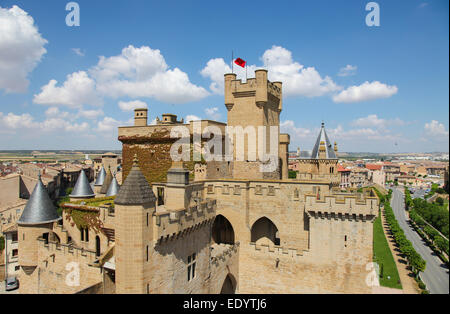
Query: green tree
pixel 441 243
pixel 440 201
pixel 418 264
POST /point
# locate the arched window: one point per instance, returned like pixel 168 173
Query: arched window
pixel 229 285
pixel 222 230
pixel 264 231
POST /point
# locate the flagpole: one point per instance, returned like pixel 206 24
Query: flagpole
pixel 232 57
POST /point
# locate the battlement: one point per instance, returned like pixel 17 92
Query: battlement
pixel 54 248
pixel 345 206
pixel 329 178
pixel 173 223
pixel 259 87
pixel 221 253
pixel 276 250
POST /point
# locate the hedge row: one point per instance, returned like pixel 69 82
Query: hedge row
pixel 414 259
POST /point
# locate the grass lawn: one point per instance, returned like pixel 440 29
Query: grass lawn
pixel 383 256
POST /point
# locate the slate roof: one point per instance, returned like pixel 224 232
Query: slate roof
pixel 100 177
pixel 323 137
pixel 39 208
pixel 82 188
pixel 135 190
pixel 107 182
pixel 114 187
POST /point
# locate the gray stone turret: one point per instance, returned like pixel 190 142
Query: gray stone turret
pixel 39 208
pixel 82 188
pixel 114 187
pixel 135 190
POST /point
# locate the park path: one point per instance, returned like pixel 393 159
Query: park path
pixel 409 285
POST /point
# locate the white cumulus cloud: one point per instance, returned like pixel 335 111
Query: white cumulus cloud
pixel 372 120
pixel 12 122
pixel 135 73
pixel 434 128
pixel 143 72
pixel 77 90
pixel 297 79
pixel 131 105
pixel 21 48
pixel 364 92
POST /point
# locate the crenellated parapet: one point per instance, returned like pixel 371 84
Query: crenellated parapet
pixel 49 251
pixel 173 223
pixel 224 253
pixel 344 207
pixel 259 87
pixel 277 251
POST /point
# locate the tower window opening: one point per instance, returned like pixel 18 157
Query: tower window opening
pixel 191 266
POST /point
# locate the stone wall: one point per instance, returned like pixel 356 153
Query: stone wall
pixel 58 268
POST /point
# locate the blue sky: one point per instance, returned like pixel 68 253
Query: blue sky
pixel 378 89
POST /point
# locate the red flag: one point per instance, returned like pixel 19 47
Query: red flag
pixel 240 62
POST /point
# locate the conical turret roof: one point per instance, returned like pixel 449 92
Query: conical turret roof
pixel 39 208
pixel 135 190
pixel 323 137
pixel 114 187
pixel 100 177
pixel 82 188
pixel 107 182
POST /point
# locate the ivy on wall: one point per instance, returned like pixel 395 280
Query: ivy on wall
pixel 153 153
pixel 83 218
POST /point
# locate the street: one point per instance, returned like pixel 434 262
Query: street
pixel 436 275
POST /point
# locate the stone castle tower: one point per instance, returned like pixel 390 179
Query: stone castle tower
pixel 255 103
pixel 135 206
pixel 35 223
pixel 323 159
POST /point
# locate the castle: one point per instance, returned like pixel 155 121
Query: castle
pixel 203 227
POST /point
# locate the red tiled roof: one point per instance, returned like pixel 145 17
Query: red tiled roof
pixel 342 169
pixel 373 167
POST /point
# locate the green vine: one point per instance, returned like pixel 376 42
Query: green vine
pixel 85 219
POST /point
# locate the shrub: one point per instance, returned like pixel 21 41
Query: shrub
pixel 68 191
pixel 292 174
